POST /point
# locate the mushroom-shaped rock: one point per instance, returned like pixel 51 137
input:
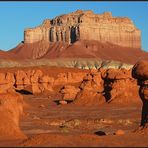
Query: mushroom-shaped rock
pixel 140 70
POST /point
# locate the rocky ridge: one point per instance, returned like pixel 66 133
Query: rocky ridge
pixel 89 87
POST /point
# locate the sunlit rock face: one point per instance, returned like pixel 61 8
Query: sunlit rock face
pixel 140 72
pixel 85 25
pixel 11 107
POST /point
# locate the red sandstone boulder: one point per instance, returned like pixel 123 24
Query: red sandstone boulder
pixel 91 91
pixel 115 74
pixel 69 92
pixel 119 132
pixel 140 70
pixel 89 98
pixel 73 77
pixel 10 78
pixel 93 82
pixel 65 78
pixel 11 107
pixel 46 79
pixel 62 102
pixel 36 87
pixel 124 91
pixel 144 89
pixel 46 83
pixel 36 76
pixel 7 82
pixel 22 79
pixel 2 78
pixel 120 87
pixel 61 79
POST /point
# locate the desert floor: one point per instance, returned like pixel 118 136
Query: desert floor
pixel 48 124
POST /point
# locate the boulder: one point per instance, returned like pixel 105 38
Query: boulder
pixel 7 82
pixel 91 90
pixel 22 79
pixel 116 74
pixel 69 77
pixel 36 76
pixel 62 102
pixel 120 87
pixel 119 132
pixel 89 98
pixel 36 87
pixel 69 92
pixel 140 70
pixel 11 107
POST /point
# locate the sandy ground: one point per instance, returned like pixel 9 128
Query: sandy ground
pixel 48 124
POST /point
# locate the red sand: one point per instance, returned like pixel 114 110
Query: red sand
pixel 80 49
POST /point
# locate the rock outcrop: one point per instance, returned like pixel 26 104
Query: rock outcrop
pixel 91 90
pixel 69 77
pixel 140 72
pixel 38 81
pixel 7 81
pixel 85 25
pixel 91 87
pixel 11 107
pixel 38 33
pixel 120 87
pixel 69 92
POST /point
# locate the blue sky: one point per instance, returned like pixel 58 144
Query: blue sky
pixel 16 16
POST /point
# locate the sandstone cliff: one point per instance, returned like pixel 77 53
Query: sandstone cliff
pixel 85 25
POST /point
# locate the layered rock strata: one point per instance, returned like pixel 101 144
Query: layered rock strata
pixel 85 25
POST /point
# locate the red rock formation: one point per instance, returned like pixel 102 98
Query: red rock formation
pixel 36 87
pixel 69 92
pixel 35 79
pixel 91 91
pixel 120 87
pixel 69 77
pixel 140 71
pixel 117 85
pixel 6 82
pixel 22 79
pixel 11 107
pixel 144 89
pixel 46 83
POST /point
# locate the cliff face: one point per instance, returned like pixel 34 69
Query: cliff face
pixel 85 25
